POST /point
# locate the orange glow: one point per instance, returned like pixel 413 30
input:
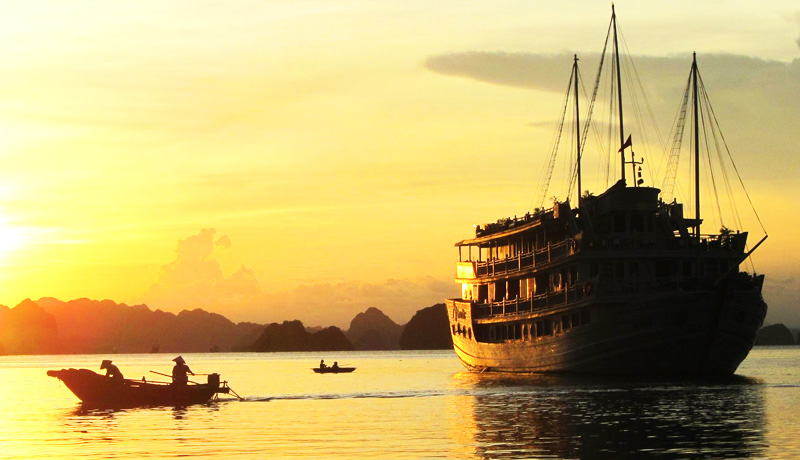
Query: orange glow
pixel 314 137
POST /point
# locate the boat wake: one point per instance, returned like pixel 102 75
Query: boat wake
pixel 370 395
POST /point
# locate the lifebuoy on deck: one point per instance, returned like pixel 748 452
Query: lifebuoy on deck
pixel 588 288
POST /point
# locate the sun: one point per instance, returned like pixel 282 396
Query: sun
pixel 11 238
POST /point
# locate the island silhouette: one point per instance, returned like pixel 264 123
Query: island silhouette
pixel 52 326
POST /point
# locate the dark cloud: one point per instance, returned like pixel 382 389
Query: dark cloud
pixel 757 101
pixel 797 20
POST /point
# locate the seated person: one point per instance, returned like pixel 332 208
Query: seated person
pixel 112 371
pixel 180 371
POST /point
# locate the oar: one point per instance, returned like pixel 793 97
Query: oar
pixel 237 395
pixel 231 389
pixel 167 375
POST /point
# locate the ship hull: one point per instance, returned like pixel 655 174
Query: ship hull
pixel 694 333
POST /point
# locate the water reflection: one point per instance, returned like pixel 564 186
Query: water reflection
pixel 569 417
pixel 178 413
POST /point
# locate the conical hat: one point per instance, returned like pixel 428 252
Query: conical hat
pixel 179 360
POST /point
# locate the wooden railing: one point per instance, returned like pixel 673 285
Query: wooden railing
pixel 530 304
pixel 550 253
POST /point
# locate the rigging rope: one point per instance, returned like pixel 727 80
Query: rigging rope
pixel 733 163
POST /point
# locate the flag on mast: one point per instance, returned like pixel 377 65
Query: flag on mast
pixel 626 144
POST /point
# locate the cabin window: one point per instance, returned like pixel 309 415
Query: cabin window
pixel 619 223
pixel 687 269
pixel 513 289
pixel 576 320
pixel 469 333
pixel 518 331
pixel 573 275
pixel 637 223
pixel 585 317
pixel 633 270
pixel 539 328
pixel 483 293
pixel 530 287
pixel 555 282
pixel 663 269
pixel 548 327
pixel 594 269
pixel 499 291
pixel 565 323
pixel 540 284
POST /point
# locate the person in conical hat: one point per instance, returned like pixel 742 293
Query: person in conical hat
pixel 112 371
pixel 180 372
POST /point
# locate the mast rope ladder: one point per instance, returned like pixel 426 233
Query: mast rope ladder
pixel 668 186
pixel 548 172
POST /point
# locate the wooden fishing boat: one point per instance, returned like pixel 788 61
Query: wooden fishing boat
pixel 96 390
pixel 333 370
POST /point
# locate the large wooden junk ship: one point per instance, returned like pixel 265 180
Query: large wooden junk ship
pixel 623 283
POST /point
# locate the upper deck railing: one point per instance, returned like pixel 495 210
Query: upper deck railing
pixel 553 252
pixel 548 254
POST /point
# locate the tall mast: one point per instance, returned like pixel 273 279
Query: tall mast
pixel 577 128
pixel 619 94
pixel 696 149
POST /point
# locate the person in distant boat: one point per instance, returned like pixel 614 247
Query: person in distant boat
pixel 180 372
pixel 335 365
pixel 322 364
pixel 112 371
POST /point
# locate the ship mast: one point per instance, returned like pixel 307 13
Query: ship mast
pixel 696 150
pixel 577 127
pixel 619 95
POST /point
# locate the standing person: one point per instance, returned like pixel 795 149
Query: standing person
pixel 112 371
pixel 180 371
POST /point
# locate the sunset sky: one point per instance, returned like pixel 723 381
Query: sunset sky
pixel 308 159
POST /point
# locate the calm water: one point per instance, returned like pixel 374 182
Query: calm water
pixel 407 405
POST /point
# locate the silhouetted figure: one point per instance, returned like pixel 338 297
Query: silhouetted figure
pixel 335 365
pixel 322 364
pixel 180 371
pixel 112 371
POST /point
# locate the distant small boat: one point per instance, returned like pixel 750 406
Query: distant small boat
pixel 96 390
pixel 332 370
